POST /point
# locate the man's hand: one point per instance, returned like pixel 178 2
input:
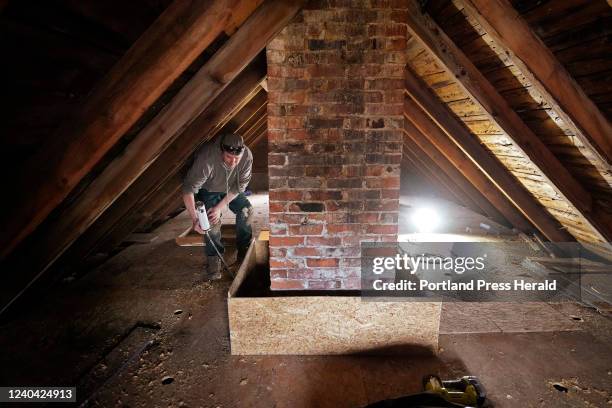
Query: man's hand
pixel 214 214
pixel 196 227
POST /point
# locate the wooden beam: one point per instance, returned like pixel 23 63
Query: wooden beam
pixel 463 164
pixel 479 166
pixel 191 100
pixel 432 175
pixel 473 82
pixel 147 187
pixel 505 25
pixel 158 57
pixel 458 179
pixel 133 209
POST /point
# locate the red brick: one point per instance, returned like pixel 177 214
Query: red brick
pixel 278 252
pixel 322 263
pixel 285 195
pixel 382 205
pixel 283 263
pixel 287 284
pixel 323 241
pixel 296 230
pixel 375 170
pixel 390 193
pixel 278 274
pixel 379 251
pixel 304 273
pixel 335 113
pixel 363 218
pixel 383 182
pixel 276 207
pixel 324 195
pixel 381 229
pixel 321 284
pixel 306 251
pixel 275 159
pixel 342 228
pixel 285 241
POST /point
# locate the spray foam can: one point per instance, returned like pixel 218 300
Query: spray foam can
pixel 202 217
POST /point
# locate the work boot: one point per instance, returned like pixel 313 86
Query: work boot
pixel 213 268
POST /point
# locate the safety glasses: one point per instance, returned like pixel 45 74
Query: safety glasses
pixel 236 151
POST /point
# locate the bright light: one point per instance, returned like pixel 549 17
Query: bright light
pixel 426 219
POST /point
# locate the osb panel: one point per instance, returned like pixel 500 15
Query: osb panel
pixel 331 325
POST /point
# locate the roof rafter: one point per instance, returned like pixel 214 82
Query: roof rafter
pixel 441 127
pixel 432 172
pixel 457 178
pixel 473 82
pixel 191 100
pixel 157 58
pixel 533 58
pixel 147 187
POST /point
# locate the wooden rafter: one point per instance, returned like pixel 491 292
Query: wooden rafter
pixel 449 135
pixel 430 171
pixel 157 58
pixel 473 82
pixel 464 164
pixel 458 179
pixel 146 189
pixel 191 100
pixel 525 49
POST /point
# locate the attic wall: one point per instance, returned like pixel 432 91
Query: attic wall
pixel 58 51
pixel 489 58
pixel 335 82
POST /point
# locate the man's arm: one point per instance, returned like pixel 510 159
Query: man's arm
pixel 189 201
pixel 194 179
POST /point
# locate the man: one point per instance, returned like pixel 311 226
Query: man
pixel 218 177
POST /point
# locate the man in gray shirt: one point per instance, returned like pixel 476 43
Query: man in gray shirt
pixel 218 177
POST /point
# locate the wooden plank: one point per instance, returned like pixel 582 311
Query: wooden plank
pixel 157 58
pixel 502 22
pixel 302 325
pixel 432 172
pixel 477 86
pixel 330 325
pixel 193 98
pixel 496 174
pixel 191 238
pixel 436 178
pixel 481 91
pixel 151 184
pixel 435 136
pixel 459 180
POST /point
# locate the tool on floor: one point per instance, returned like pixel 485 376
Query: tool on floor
pixel 467 390
pixel 205 225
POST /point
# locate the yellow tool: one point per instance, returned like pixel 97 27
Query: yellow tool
pixel 467 390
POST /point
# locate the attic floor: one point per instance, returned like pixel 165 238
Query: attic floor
pixel 142 319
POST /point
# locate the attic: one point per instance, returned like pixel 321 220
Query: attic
pixel 369 121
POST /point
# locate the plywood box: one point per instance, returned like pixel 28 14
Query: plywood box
pixel 271 322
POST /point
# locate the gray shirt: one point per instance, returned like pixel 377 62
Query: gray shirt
pixel 210 172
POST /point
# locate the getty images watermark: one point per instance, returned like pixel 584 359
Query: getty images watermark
pixel 468 271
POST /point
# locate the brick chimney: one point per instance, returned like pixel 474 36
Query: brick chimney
pixel 335 101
